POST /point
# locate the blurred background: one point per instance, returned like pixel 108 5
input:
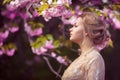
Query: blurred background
pixel 35 49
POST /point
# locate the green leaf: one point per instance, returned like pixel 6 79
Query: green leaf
pixel 42 8
pixel 110 43
pixel 6 1
pixel 56 43
pixel 39 24
pixel 9 46
pixel 40 41
pixel 49 37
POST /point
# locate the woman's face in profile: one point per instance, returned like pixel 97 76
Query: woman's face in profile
pixel 77 31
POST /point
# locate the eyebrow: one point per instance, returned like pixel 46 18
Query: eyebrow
pixel 75 24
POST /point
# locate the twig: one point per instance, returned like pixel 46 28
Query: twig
pixel 59 69
pixel 49 65
pixel 27 9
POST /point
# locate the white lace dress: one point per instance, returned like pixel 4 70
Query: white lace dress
pixel 89 66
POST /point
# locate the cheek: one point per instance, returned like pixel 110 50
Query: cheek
pixel 77 36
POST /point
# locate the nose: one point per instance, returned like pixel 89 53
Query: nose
pixel 70 29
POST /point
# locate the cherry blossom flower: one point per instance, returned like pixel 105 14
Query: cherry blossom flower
pixel 4 35
pixel 50 1
pixel 24 15
pixel 13 29
pixel 116 23
pixel 96 2
pixel 49 45
pixel 11 14
pixel 46 15
pixel 70 20
pixel 35 32
pixel 56 11
pixel 63 2
pixel 1 52
pixel 53 54
pixel 1 43
pixel 115 20
pixel 10 52
pixel 67 14
pixel 106 11
pixel 39 51
pixel 61 60
pixel 35 14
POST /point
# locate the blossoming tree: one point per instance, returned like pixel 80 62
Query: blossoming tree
pixel 32 18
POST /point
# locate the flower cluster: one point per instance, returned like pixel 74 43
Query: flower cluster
pixel 43 49
pixel 9 52
pixel 60 59
pixel 30 32
pixel 18 3
pixel 56 11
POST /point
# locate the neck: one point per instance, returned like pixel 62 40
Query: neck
pixel 86 45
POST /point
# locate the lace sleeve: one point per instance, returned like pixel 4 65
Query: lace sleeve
pixel 96 70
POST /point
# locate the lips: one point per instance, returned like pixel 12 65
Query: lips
pixel 70 33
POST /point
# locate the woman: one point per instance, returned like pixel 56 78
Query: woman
pixel 91 34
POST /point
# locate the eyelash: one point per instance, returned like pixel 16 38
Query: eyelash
pixel 75 25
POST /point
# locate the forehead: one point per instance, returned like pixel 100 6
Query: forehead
pixel 79 21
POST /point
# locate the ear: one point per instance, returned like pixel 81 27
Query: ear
pixel 86 34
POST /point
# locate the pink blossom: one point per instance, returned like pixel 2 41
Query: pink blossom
pixel 24 15
pixel 67 14
pixel 106 11
pixel 39 51
pixel 111 15
pixel 61 60
pixel 49 45
pixel 96 2
pixel 46 15
pixel 1 43
pixel 35 14
pixel 57 11
pixel 12 16
pixel 10 52
pixel 4 35
pixel 1 52
pixel 35 32
pixel 50 1
pixel 16 3
pixel 77 11
pixel 63 2
pixel 43 50
pixel 116 23
pixel 27 28
pixel 14 29
pixel 35 1
pixel 53 54
pixel 70 20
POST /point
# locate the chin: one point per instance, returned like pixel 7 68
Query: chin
pixel 74 40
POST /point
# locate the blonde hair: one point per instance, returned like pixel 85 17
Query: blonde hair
pixel 96 28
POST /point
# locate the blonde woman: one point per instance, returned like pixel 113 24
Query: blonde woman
pixel 91 34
